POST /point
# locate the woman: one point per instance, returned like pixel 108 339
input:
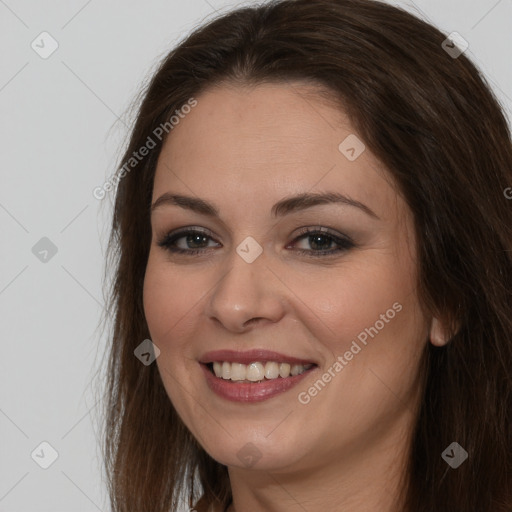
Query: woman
pixel 313 272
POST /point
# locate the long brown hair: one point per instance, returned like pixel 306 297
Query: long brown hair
pixel 434 122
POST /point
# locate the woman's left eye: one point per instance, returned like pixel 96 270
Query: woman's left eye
pixel 316 237
pixel 321 237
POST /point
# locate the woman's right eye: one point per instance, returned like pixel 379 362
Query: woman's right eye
pixel 191 236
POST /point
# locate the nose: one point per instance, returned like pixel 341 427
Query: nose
pixel 246 294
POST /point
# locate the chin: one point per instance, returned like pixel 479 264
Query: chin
pixel 256 452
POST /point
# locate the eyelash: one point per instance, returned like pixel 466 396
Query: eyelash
pixel 344 242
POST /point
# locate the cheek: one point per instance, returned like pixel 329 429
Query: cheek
pixel 157 301
pixel 349 300
pixel 379 354
pixel 369 315
pixel 169 310
pixel 169 302
pixel 382 336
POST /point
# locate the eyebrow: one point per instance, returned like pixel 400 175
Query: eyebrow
pixel 283 207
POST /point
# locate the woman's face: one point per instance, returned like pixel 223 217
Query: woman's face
pixel 347 303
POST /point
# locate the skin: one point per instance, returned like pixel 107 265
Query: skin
pixel 244 149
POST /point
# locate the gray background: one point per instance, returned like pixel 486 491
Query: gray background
pixel 64 119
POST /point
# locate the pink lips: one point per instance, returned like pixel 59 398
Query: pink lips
pixel 251 391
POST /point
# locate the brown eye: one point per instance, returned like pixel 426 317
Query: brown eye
pixel 193 237
pixel 321 242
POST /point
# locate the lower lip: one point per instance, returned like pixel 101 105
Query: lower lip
pixel 251 391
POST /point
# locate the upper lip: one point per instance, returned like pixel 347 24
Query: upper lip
pixel 250 356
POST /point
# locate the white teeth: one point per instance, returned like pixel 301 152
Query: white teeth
pixel 226 370
pixel 257 371
pixel 284 370
pixel 238 371
pixel 271 370
pixel 217 369
pixel 296 369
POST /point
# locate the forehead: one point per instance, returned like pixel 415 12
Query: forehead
pixel 266 142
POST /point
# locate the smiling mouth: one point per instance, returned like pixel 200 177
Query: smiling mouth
pixel 257 371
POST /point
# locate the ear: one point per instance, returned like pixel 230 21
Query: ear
pixel 438 334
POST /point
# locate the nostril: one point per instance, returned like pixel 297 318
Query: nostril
pixel 253 320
